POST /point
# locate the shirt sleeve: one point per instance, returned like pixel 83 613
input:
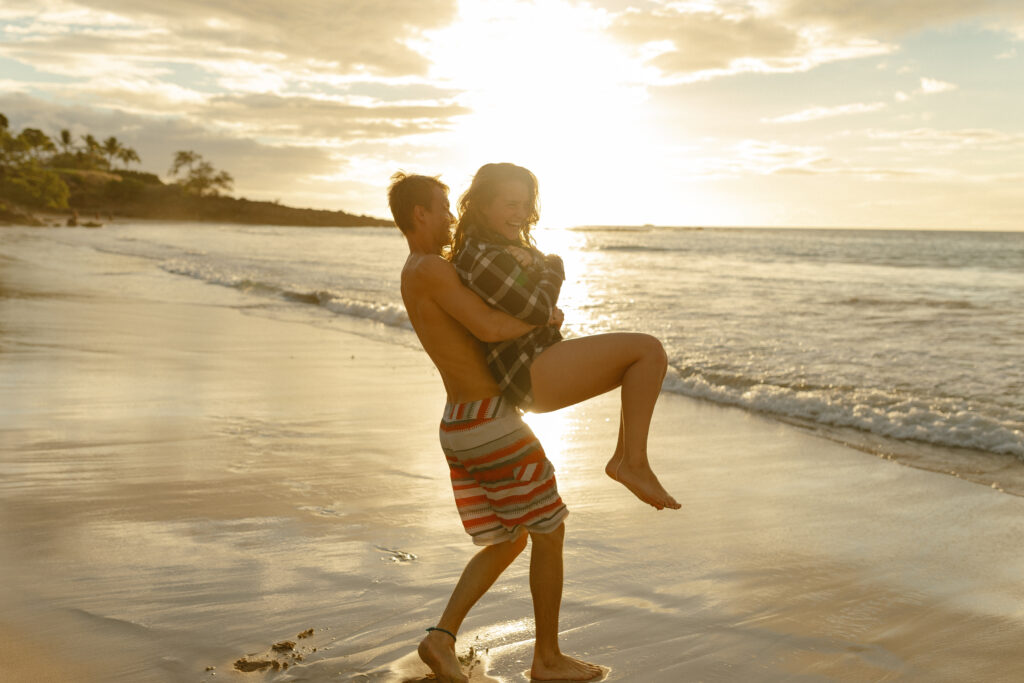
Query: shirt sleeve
pixel 496 276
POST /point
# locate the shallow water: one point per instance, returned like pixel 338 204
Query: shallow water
pixel 889 340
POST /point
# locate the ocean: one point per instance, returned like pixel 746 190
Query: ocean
pixel 890 341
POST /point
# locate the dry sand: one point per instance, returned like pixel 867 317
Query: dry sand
pixel 189 475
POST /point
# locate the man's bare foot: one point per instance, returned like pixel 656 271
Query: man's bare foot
pixel 437 651
pixel 564 668
pixel 642 482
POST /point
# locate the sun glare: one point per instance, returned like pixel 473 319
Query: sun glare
pixel 550 91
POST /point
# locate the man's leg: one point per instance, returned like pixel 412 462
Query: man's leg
pixel 437 650
pixel 575 370
pixel 546 586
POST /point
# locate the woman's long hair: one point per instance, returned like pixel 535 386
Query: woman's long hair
pixel 482 192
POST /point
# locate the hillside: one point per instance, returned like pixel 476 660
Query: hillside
pixel 131 194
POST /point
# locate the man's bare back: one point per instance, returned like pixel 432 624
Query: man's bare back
pixel 458 355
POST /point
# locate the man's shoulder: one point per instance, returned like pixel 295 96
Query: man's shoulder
pixel 428 267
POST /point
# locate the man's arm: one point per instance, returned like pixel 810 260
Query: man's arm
pixel 498 277
pixel 483 322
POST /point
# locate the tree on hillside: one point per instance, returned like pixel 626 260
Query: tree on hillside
pixel 36 143
pixel 184 159
pixel 199 176
pixel 127 155
pixel 66 142
pixel 23 179
pixel 93 152
pixel 111 148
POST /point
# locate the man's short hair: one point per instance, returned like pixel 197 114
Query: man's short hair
pixel 408 191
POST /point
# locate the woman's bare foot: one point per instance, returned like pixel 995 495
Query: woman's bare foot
pixel 642 482
pixel 437 651
pixel 564 668
pixel 612 468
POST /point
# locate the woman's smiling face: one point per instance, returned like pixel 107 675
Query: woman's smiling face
pixel 506 213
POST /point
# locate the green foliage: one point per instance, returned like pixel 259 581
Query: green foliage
pixel 141 176
pixel 125 190
pixel 36 143
pixel 33 186
pixel 199 177
pixel 23 179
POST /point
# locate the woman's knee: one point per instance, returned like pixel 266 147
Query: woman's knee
pixel 654 349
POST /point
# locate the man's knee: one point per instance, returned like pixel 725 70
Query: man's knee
pixel 554 537
pixel 510 548
pixel 518 544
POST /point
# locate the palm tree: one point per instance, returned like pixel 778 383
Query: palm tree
pixel 93 150
pixel 127 155
pixel 200 177
pixel 111 147
pixel 67 143
pixel 184 159
pixel 36 142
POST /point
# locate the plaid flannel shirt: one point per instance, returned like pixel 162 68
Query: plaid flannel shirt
pixel 527 293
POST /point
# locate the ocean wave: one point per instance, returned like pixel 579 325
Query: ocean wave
pixel 895 303
pixel 633 248
pixel 937 421
pixel 335 302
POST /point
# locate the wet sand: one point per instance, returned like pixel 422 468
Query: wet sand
pixel 189 476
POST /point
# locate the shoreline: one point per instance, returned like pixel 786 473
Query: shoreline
pixel 189 477
pixel 1002 472
pixel 44 219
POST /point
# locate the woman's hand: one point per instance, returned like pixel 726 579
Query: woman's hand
pixel 557 318
pixel 523 256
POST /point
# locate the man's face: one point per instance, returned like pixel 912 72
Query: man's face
pixel 508 210
pixel 440 219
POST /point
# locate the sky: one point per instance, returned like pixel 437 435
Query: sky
pixel 803 113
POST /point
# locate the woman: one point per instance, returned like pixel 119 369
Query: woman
pixel 496 257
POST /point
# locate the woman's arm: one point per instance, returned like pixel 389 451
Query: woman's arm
pixel 502 282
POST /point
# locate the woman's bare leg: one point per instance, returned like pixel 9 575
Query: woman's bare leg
pixel 577 369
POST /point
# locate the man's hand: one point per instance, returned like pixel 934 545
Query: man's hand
pixel 556 319
pixel 523 256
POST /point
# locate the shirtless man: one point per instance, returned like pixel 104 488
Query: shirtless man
pixel 505 488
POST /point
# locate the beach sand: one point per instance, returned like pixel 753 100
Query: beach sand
pixel 189 475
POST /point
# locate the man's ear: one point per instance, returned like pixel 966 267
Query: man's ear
pixel 419 214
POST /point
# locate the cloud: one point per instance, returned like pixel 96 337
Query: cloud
pixel 931 86
pixel 322 117
pixel 703 39
pixel 748 157
pixel 879 17
pixel 945 141
pixel 690 42
pixel 356 35
pixel 815 113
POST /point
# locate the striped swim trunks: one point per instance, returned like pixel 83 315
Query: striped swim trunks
pixel 502 480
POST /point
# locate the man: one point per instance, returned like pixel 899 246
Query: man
pixel 504 485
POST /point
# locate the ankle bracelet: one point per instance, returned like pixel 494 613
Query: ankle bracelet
pixel 443 630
